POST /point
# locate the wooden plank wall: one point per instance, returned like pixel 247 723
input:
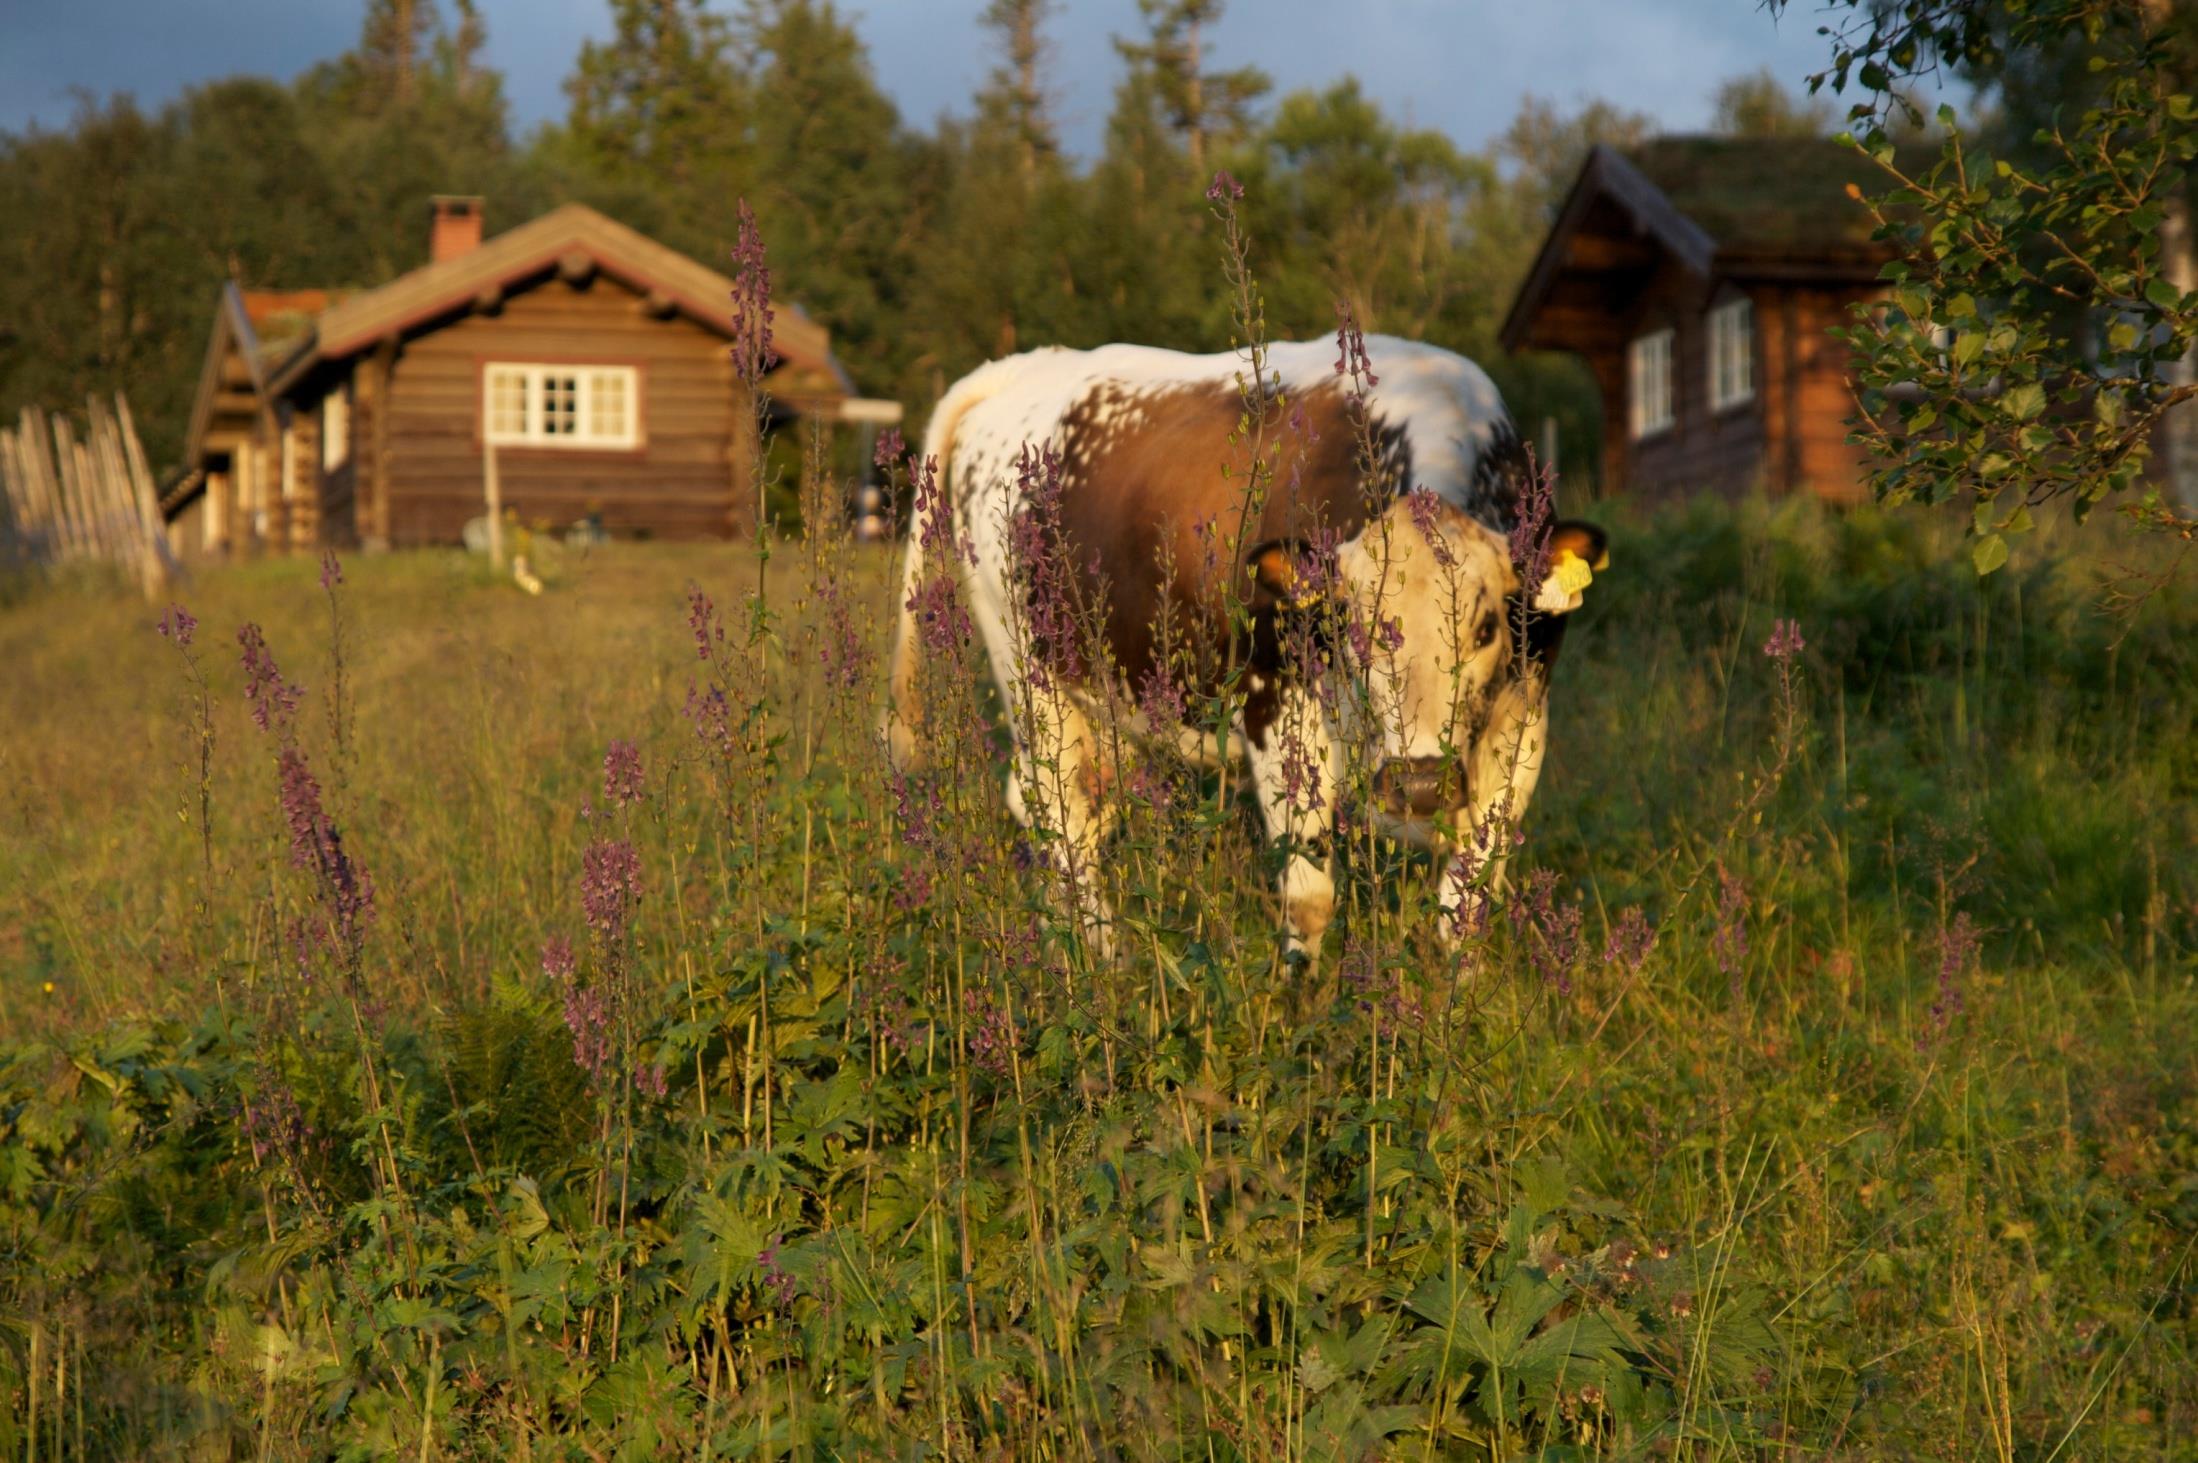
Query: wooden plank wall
pixel 1824 395
pixel 1702 451
pixel 680 484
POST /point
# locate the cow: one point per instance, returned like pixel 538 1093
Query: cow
pixel 1391 497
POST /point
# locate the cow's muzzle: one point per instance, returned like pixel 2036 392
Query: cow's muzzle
pixel 1420 787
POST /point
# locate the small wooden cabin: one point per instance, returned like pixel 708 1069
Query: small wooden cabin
pixel 593 361
pixel 1698 278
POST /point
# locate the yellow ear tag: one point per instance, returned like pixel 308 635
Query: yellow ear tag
pixel 1571 572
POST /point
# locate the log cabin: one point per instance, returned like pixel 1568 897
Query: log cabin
pixel 587 364
pixel 1699 278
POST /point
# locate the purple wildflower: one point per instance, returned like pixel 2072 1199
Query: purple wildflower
pixel 273 1123
pixel 1474 908
pixel 702 620
pixel 841 650
pixel 780 1285
pixel 889 1005
pixel 274 700
pixel 557 959
pixel 889 450
pixel 920 804
pixel 1549 928
pixel 331 571
pixel 1351 357
pixel 1150 787
pixel 610 883
pixel 177 624
pixel 316 845
pixel 1160 698
pixel 588 1018
pixel 1301 772
pixel 752 312
pixel 622 779
pixel 650 1082
pixel 1957 944
pixel 991 1033
pixel 1426 511
pixel 941 620
pixel 1785 642
pixel 1530 531
pixel 712 716
pixel 1630 941
pixel 1224 188
pixel 1038 551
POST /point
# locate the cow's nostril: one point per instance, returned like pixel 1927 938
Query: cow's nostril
pixel 1421 786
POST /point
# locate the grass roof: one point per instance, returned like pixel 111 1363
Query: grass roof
pixel 1766 195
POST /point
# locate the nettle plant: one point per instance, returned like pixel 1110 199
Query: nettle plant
pixel 2042 315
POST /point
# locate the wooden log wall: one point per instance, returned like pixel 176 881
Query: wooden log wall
pixel 686 479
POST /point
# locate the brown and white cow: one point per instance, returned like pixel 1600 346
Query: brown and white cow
pixel 1150 451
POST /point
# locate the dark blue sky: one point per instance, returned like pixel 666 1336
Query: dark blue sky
pixel 1458 65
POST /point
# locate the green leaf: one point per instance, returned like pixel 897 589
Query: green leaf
pixel 2025 401
pixel 1989 553
pixel 2163 294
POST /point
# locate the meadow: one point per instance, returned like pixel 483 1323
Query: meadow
pixel 454 1024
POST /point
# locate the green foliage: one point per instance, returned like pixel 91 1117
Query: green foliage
pixel 2041 326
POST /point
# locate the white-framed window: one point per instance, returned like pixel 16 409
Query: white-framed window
pixel 561 406
pixel 335 428
pixel 1648 383
pixel 254 459
pixel 1732 354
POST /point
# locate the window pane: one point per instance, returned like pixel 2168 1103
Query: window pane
pixel 1732 353
pixel 507 404
pixel 609 406
pixel 335 429
pixel 1649 383
pixel 560 405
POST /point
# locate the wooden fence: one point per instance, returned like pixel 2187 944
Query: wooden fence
pixel 75 499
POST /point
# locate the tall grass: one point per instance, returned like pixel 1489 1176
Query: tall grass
pixel 693 1087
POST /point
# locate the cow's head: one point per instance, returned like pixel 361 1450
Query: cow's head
pixel 1422 611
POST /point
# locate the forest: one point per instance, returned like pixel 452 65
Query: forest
pixel 926 248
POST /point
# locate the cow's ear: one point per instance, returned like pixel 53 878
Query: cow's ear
pixel 1577 552
pixel 1277 582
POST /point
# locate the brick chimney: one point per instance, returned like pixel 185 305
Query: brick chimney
pixel 456 228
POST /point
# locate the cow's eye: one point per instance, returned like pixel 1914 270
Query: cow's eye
pixel 1487 635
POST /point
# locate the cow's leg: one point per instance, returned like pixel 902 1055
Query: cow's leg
pixel 1296 771
pixel 1057 790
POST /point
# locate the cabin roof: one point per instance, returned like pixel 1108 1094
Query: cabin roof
pixel 1722 207
pixel 1768 196
pixel 232 334
pixel 355 324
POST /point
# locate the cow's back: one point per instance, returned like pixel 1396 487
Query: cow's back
pixel 1154 489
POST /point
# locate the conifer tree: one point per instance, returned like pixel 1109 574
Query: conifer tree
pixel 1207 109
pixel 662 96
